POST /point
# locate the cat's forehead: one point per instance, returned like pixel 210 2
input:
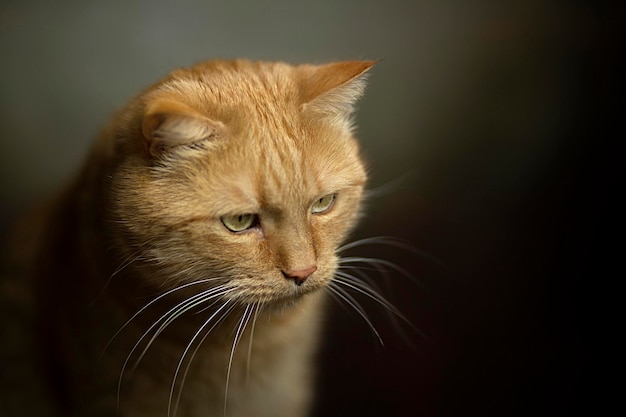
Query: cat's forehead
pixel 269 171
pixel 278 172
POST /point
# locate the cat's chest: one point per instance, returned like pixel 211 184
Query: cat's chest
pixel 266 370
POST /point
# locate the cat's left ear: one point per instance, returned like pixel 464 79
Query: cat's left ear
pixel 167 125
pixel 333 88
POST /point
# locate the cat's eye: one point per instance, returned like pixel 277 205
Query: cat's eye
pixel 239 222
pixel 323 204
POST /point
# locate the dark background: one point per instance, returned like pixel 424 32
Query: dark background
pixel 494 123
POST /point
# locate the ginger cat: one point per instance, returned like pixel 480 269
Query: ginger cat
pixel 183 273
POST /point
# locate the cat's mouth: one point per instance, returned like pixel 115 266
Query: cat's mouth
pixel 279 298
pixel 294 296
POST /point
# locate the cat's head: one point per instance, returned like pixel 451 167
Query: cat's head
pixel 243 172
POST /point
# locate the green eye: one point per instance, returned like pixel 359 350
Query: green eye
pixel 323 204
pixel 239 222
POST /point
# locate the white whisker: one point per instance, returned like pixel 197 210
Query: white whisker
pixel 175 276
pixel 378 240
pixel 377 263
pixel 242 325
pixel 365 285
pixel 182 358
pixel 362 276
pixel 167 318
pixel 256 313
pixel 151 303
pixel 357 307
pixel 389 187
pixel 129 260
pixel 393 312
pixel 394 242
pixel 353 283
pixel 134 257
pixel 180 309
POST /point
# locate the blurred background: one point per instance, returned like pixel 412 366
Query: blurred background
pixel 488 129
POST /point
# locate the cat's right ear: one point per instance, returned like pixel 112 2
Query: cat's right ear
pixel 168 125
pixel 333 88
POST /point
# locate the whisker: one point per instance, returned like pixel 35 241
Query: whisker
pixel 353 283
pixel 359 269
pixel 257 307
pixel 167 318
pixel 208 307
pixel 182 358
pixel 173 277
pixel 392 311
pixel 375 262
pixel 391 241
pixel 389 187
pixel 362 276
pixel 357 307
pixel 165 294
pixel 242 325
pixel 130 259
pixel 338 300
pixel 180 309
pixel 374 240
pixel 193 354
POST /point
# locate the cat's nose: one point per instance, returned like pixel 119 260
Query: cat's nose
pixel 300 275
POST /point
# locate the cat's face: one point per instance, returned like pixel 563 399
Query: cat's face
pixel 242 178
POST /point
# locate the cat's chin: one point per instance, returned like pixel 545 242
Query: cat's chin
pixel 282 302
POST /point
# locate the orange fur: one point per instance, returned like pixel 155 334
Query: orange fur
pixel 223 138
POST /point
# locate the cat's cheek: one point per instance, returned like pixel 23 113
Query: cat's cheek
pixel 334 226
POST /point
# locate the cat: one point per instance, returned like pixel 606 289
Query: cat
pixel 184 271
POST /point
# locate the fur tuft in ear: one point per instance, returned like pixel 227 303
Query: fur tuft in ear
pixel 333 88
pixel 167 125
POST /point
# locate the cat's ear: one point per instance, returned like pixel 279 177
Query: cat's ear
pixel 167 125
pixel 333 88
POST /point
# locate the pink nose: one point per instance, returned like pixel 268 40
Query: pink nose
pixel 300 275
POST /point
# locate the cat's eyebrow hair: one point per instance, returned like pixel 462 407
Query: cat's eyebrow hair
pixel 192 219
pixel 334 186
